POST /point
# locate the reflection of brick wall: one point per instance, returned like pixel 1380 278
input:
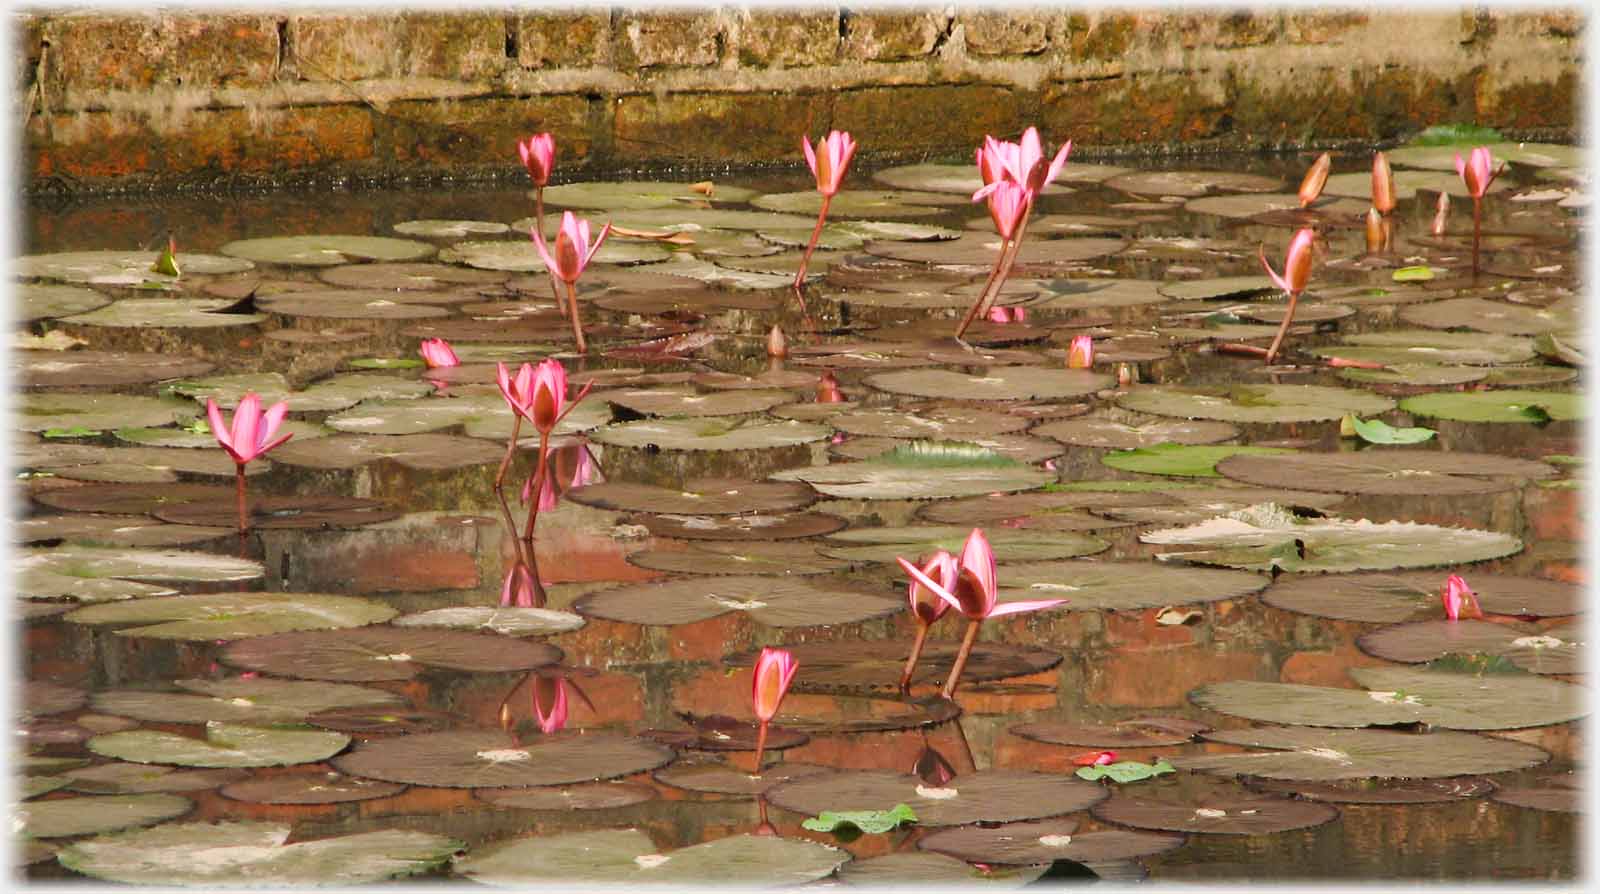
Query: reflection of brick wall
pixel 189 94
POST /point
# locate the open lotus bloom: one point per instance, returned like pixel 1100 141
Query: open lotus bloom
pixel 1296 263
pixel 549 395
pixel 436 352
pixel 538 156
pixel 1477 171
pixel 1021 163
pixel 1459 599
pixel 252 430
pixel 1008 205
pixel 1383 197
pixel 976 593
pixel 775 670
pixel 1080 354
pixel 830 160
pixel 1311 185
pixel 574 250
pixel 928 608
pixel 516 389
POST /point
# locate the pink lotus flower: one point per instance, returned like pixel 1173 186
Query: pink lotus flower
pixel 927 607
pixel 1383 197
pixel 1021 163
pixel 252 431
pixel 1080 354
pixel 1296 264
pixel 828 389
pixel 1441 213
pixel 517 389
pixel 775 670
pixel 1311 186
pixel 777 343
pixel 538 156
pixel 1459 599
pixel 830 160
pixel 549 396
pixel 1008 205
pixel 1095 758
pixel 436 352
pixel 1477 171
pixel 573 251
pixel 550 703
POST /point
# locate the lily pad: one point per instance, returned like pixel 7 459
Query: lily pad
pixel 1099 431
pixel 166 313
pixel 875 666
pixel 1046 842
pixel 282 513
pixel 1190 183
pixel 628 856
pixel 248 701
pixel 1402 696
pixel 225 745
pixel 1254 403
pixel 1368 791
pixel 892 477
pixel 1146 732
pixel 413 417
pixel 956 423
pixel 64 817
pixel 486 759
pixel 309 788
pixel 516 622
pixel 770 600
pixel 1323 755
pixel 996 383
pixel 1406 596
pixel 1564 797
pixel 1230 287
pixel 522 255
pixel 1508 405
pixel 988 796
pixel 719 732
pixel 884 544
pixel 1038 257
pixel 132 779
pixel 1242 814
pixel 252 854
pixel 1399 472
pixel 922 867
pixel 636 194
pixel 1420 641
pixel 752 526
pixel 964 178
pixel 42 697
pixel 129 499
pixel 1358 184
pixel 112 530
pixel 1277 208
pixel 449 229
pixel 871 822
pixel 119 268
pixel 1123 586
pixel 91 369
pixel 1124 771
pixel 860 203
pixel 42 301
pixel 718 778
pixel 1268 536
pixel 710 434
pixel 1376 431
pixel 1484 315
pixel 41 571
pixel 737 557
pixel 684 402
pixel 585 796
pixel 1193 461
pixel 385 653
pixel 190 439
pixel 93 410
pixel 706 496
pixel 407 277
pixel 231 615
pixel 324 251
pixel 425 451
pixel 1395 347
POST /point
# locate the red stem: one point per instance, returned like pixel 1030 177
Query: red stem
pixel 239 490
pixel 761 745
pixel 538 214
pixel 577 324
pixel 972 312
pixel 1477 226
pixel 961 657
pixel 538 482
pixel 816 233
pixel 911 663
pixel 1288 318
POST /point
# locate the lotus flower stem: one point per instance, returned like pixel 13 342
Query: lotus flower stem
pixel 511 449
pixel 577 328
pixel 816 234
pixel 967 642
pixel 238 478
pixel 538 216
pixel 911 663
pixel 538 481
pixel 972 312
pixel 761 745
pixel 1477 231
pixel 991 292
pixel 1288 318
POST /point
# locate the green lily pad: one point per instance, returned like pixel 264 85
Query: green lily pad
pixel 1186 460
pixel 1400 346
pixel 1254 403
pixel 384 653
pixel 247 701
pixel 449 229
pixel 119 268
pixel 1421 375
pixel 724 277
pixel 412 417
pixel 872 822
pixel 1483 315
pixel 516 622
pixel 628 856
pixel 684 402
pixel 165 313
pixel 64 817
pixel 215 616
pixel 1403 472
pixel 896 476
pixel 1507 405
pixel 225 745
pixel 1099 431
pixel 898 231
pixel 1123 586
pixel 1324 754
pixel 93 574
pixel 1230 287
pixel 407 277
pixel 1413 274
pixel 771 600
pixel 80 369
pixel 1124 771
pixel 253 854
pixel 429 451
pixel 1190 183
pixel 710 434
pixel 323 251
pixel 132 779
pixel 1376 431
pixel 884 544
pixel 482 758
pixel 190 439
pixel 43 301
pixel 1358 184
pixel 1268 536
pixel 628 195
pixel 93 410
pixel 860 203
pixel 996 383
pixel 964 178
pixel 522 255
pixel 705 496
pixel 989 796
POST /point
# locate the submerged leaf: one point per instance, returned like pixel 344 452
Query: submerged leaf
pixel 872 822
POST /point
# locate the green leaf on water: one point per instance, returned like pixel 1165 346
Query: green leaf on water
pixel 76 431
pixel 1473 663
pixel 1376 431
pixel 873 822
pixel 1421 273
pixel 166 264
pixel 1456 135
pixel 386 363
pixel 1125 771
pixel 944 454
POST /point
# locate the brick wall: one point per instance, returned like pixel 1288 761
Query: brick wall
pixel 127 100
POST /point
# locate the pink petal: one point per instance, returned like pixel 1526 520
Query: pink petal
pixel 811 155
pixel 1011 608
pixel 928 582
pixel 269 425
pixel 544 251
pixel 219 428
pixel 978 557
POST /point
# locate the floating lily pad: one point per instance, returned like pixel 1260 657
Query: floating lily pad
pixel 774 601
pixel 132 779
pixel 496 424
pixel 408 277
pixel 324 251
pixel 965 179
pixel 119 268
pixel 485 759
pixel 112 530
pixel 724 277
pixel 707 496
pixel 1358 184
pixel 41 571
pixel 1254 403
pixel 710 434
pixel 884 544
pixel 252 701
pixel 1420 641
pixel 80 369
pixel 1190 183
pixel 1193 461
pixel 42 697
pixel 1323 754
pixel 859 203
pixel 636 194
pixel 1401 472
pixel 216 616
pixel 1099 431
pixel 1021 448
pixel 424 451
pixel 997 383
pixel 309 788
pixel 146 465
pixel 1046 842
pixel 253 854
pixel 64 817
pixel 166 313
pixel 718 778
pixel 413 417
pixel 719 732
pixel 190 439
pixel 979 250
pixel 1146 732
pixel 899 231
pixel 1417 375
pixel 128 499
pixel 586 796
pixel 1278 209
pixel 522 255
pixel 1122 586
pixel 1231 287
pixel 1400 346
pixel 516 622
pixel 41 301
pixel 922 867
pixel 1241 814
pixel 93 410
pixel 385 653
pixel 683 402
pixel 1402 696
pixel 1369 791
pixel 1406 596
pixel 1508 405
pixel 1268 536
pixel 891 476
pixel 871 822
pixel 1527 376
pixel 225 745
pixel 373 308
pixel 1564 796
pixel 988 796
pixel 628 856
pixel 956 423
pixel 282 513
pixel 873 665
pixel 737 557
pixel 449 229
pixel 382 721
pixel 1484 315
pixel 752 526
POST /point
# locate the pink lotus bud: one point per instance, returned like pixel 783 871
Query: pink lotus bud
pixel 1440 214
pixel 777 343
pixel 436 352
pixel 775 670
pixel 1080 354
pixel 1095 758
pixel 1459 599
pixel 1477 171
pixel 1382 184
pixel 830 160
pixel 538 156
pixel 1311 186
pixel 1296 264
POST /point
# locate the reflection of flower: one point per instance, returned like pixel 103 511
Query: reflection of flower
pixel 1095 758
pixel 550 703
pixel 1080 354
pixel 521 588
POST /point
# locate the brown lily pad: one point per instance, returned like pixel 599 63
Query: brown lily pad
pixel 1241 814
pixel 429 451
pixel 770 600
pixel 1045 842
pixel 485 759
pixel 719 732
pixel 382 720
pixel 277 513
pixel 1392 472
pixel 309 788
pixel 947 423
pixel 584 796
pixel 409 277
pixel 80 369
pixel 715 777
pixel 994 384
pixel 1381 791
pixel 112 530
pixel 385 653
pixel 119 778
pixel 42 697
pixel 737 557
pixel 1144 732
pixel 706 496
pixel 752 526
pixel 1096 431
pixel 683 402
pixel 1408 596
pixel 1562 794
pixel 876 665
pixel 1323 755
pixel 132 499
pixel 987 796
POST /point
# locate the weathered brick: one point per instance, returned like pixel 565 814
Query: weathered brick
pixel 223 50
pixel 929 119
pixel 1099 36
pixel 1321 27
pixel 460 46
pixel 887 36
pixel 712 126
pixel 117 52
pixel 648 40
pixel 343 47
pixel 1005 33
pixel 1150 109
pixel 482 131
pixel 787 39
pixel 1247 29
pixel 89 146
pixel 274 139
pixel 563 40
